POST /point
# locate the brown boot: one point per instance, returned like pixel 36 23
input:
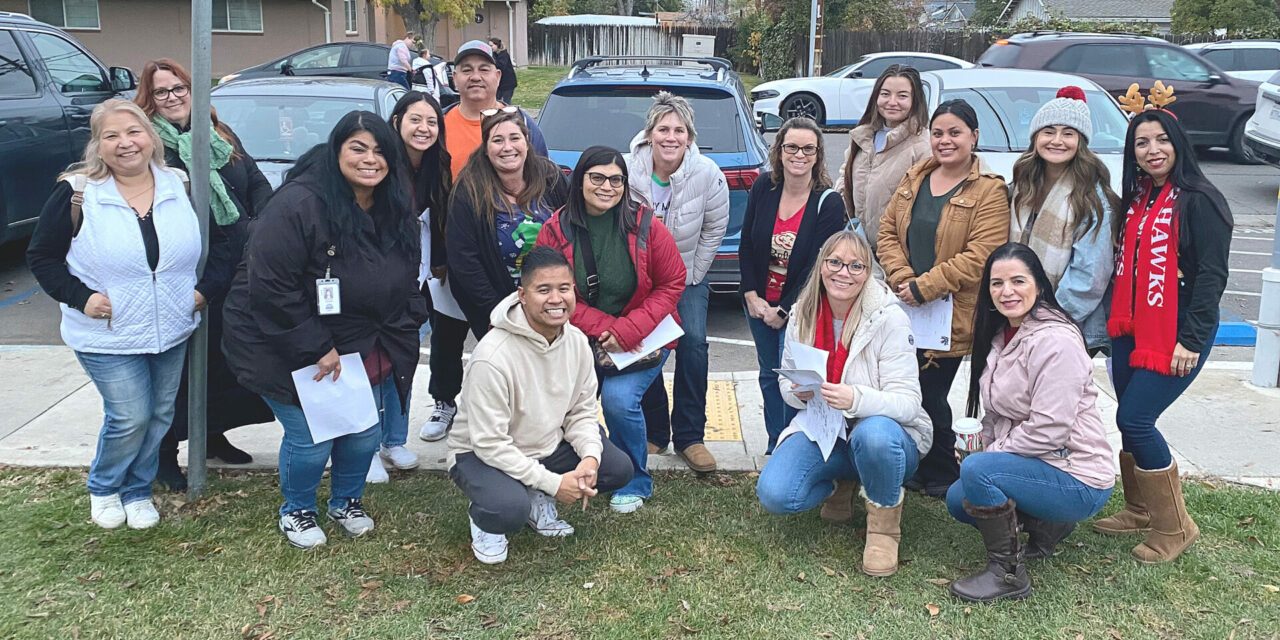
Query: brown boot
pixel 884 530
pixel 1133 518
pixel 1172 530
pixel 698 458
pixel 1006 572
pixel 839 506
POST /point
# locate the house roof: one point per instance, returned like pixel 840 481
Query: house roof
pixel 1103 10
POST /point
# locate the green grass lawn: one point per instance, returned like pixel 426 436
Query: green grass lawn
pixel 536 82
pixel 701 560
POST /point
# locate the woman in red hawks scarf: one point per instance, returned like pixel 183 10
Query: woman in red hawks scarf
pixel 1170 273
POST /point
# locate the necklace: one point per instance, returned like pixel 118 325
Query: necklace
pixel 144 216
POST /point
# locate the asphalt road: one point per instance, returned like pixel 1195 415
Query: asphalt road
pixel 27 316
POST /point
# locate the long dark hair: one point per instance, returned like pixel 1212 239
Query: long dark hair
pixel 919 101
pixel 434 177
pixel 1185 175
pixel 392 212
pixel 1090 187
pixel 480 180
pixel 987 321
pixel 575 210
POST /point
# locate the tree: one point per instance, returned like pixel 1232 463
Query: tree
pixel 1236 17
pixel 421 16
pixel 986 13
pixel 877 15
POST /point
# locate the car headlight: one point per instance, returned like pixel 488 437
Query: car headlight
pixel 763 95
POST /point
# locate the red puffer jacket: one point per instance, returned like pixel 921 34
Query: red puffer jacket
pixel 659 280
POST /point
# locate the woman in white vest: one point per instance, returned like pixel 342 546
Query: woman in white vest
pixel 689 195
pixel 123 266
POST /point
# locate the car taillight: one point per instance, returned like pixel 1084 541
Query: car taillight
pixel 567 171
pixel 741 179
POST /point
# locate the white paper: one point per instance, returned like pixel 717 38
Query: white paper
pixel 804 379
pixel 821 424
pixel 442 299
pixel 336 408
pixel 931 323
pixel 664 333
pixel 804 356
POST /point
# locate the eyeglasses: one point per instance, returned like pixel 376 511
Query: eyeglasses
pixel 834 266
pixel 791 149
pixel 489 113
pixel 179 91
pixel 598 179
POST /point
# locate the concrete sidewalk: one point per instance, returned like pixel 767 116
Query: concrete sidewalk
pixel 50 414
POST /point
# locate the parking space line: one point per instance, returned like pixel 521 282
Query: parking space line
pixel 18 298
pixel 1251 253
pixel 1254 238
pixel 733 341
pixel 1242 293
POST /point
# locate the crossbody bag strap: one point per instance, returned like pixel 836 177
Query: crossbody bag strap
pixel 77 182
pixel 589 265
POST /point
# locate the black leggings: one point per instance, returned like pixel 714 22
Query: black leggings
pixel 448 336
pixel 938 468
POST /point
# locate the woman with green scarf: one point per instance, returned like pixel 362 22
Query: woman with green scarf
pixel 239 191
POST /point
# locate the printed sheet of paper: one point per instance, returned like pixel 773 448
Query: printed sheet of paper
pixel 804 379
pixel 821 424
pixel 336 408
pixel 931 323
pixel 664 333
pixel 807 366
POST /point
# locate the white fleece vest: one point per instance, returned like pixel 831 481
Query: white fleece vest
pixel 151 311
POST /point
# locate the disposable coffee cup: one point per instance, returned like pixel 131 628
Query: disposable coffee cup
pixel 968 435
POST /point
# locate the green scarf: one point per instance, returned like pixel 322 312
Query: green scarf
pixel 224 209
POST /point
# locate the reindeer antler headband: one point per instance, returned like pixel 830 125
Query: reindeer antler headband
pixel 1160 97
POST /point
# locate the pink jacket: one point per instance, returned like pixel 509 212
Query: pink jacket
pixel 1040 401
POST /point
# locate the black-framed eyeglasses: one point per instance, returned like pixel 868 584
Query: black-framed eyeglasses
pixel 598 179
pixel 834 266
pixel 488 113
pixel 179 91
pixel 791 149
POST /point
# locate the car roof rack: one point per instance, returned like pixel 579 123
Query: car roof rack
pixel 16 15
pixel 720 65
pixel 1080 34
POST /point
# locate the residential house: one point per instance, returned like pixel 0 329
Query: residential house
pixel 1154 12
pixel 946 14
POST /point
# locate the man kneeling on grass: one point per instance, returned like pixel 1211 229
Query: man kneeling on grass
pixel 526 427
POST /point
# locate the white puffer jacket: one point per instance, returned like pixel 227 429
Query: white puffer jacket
pixel 881 368
pixel 699 211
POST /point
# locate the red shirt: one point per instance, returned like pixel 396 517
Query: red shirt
pixel 784 238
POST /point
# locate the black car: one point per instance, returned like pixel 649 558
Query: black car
pixel 343 60
pixel 49 85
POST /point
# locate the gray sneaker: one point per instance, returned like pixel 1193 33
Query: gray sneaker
pixel 352 518
pixel 300 528
pixel 437 426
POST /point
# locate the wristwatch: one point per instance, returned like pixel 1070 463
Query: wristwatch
pixel 782 313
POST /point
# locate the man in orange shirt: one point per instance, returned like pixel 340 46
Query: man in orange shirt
pixel 476 76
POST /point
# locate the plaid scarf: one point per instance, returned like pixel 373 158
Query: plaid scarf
pixel 1146 286
pixel 1049 232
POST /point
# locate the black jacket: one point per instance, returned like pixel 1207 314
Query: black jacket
pixel 479 276
pixel 1204 246
pixel 271 324
pixel 508 79
pixel 757 238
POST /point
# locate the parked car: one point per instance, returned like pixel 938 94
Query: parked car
pixel 1006 100
pixel 1262 131
pixel 824 98
pixel 343 60
pixel 1212 105
pixel 1254 60
pixel 49 85
pixel 278 119
pixel 604 100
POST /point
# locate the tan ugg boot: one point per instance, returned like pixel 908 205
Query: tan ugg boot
pixel 1172 530
pixel 838 507
pixel 1133 518
pixel 884 530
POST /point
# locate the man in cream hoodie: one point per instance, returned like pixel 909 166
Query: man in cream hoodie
pixel 526 428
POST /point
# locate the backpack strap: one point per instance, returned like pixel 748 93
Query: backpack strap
pixel 77 182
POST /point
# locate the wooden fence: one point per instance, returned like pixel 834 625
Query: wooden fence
pixel 560 45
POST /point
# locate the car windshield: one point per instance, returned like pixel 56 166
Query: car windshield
pixel 283 127
pixel 1018 105
pixel 575 118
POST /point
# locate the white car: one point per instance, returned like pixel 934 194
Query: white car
pixel 824 98
pixel 1262 131
pixel 1005 101
pixel 1254 60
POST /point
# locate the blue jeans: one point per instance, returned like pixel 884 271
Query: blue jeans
pixel 879 453
pixel 399 77
pixel 1142 395
pixel 302 461
pixel 620 399
pixel 687 423
pixel 769 344
pixel 392 417
pixel 1039 489
pixel 138 393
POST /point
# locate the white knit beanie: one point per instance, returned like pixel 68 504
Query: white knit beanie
pixel 1068 109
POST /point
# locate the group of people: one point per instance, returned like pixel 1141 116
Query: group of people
pixel 456 218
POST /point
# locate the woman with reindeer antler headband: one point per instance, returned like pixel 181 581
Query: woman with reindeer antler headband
pixel 1170 274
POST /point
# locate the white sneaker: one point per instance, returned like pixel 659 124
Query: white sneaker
pixel 377 473
pixel 399 457
pixel 489 548
pixel 352 518
pixel 141 514
pixel 625 504
pixel 106 511
pixel 543 516
pixel 301 529
pixel 438 424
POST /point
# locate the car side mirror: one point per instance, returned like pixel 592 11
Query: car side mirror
pixel 855 74
pixel 769 122
pixel 1216 79
pixel 122 79
pixel 286 69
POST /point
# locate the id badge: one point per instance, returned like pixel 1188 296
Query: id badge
pixel 328 297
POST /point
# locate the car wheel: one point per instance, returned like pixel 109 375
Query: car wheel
pixel 804 105
pixel 1240 152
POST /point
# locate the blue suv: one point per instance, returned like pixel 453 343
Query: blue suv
pixel 604 99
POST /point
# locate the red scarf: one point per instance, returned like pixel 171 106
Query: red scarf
pixel 1148 266
pixel 824 338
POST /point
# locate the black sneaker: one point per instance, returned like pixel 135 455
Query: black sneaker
pixel 220 447
pixel 169 473
pixel 300 527
pixel 352 518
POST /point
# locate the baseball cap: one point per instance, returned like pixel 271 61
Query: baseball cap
pixel 474 48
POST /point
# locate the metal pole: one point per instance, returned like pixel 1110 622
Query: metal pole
pixel 813 32
pixel 198 356
pixel 818 38
pixel 1266 352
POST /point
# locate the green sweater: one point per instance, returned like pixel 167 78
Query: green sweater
pixel 613 264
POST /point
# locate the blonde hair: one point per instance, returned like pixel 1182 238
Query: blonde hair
pixel 805 311
pixel 664 103
pixel 91 164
